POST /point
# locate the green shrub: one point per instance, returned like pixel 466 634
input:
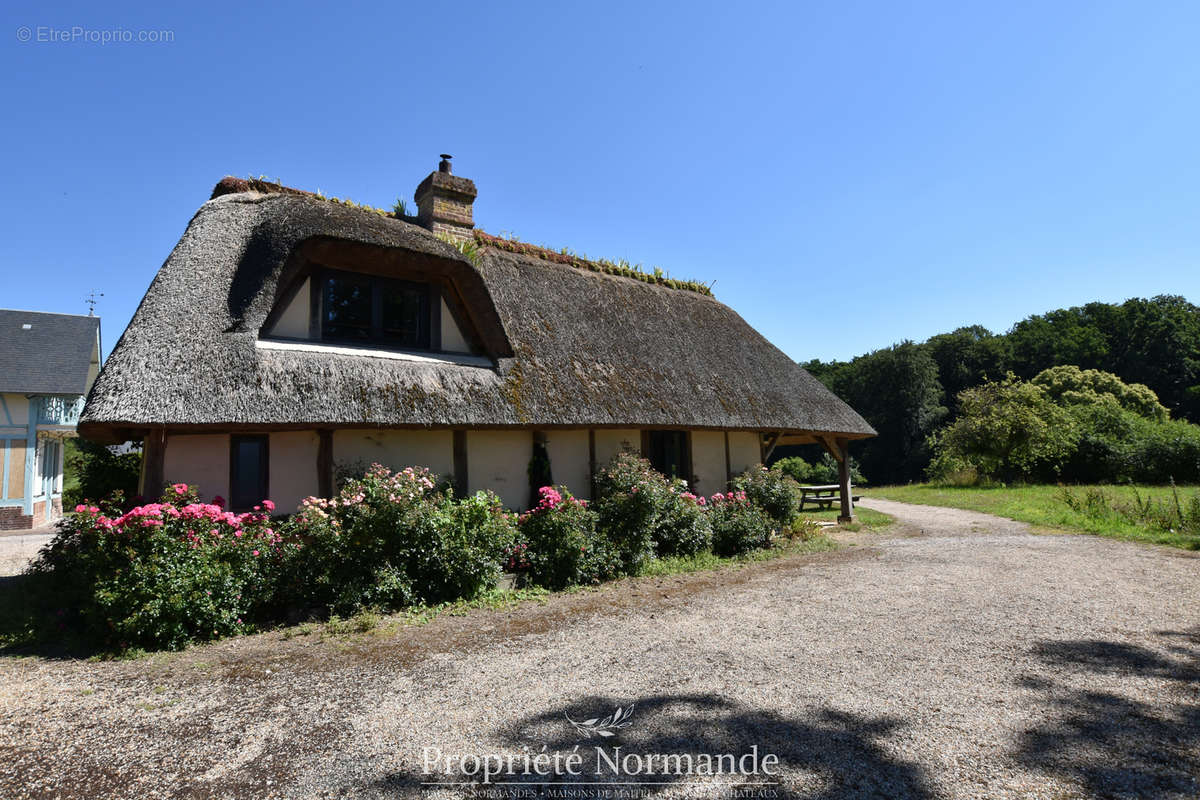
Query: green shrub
pixel 1067 424
pixel 391 539
pixel 738 525
pixel 630 499
pixel 92 472
pixel 1068 385
pixel 683 527
pixel 772 491
pixel 563 547
pixel 1008 430
pixel 822 472
pixel 163 574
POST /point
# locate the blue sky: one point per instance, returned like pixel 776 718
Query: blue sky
pixel 850 174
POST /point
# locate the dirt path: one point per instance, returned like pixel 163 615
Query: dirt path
pixel 957 656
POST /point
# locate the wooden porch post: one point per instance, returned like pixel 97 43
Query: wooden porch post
pixel 591 464
pixel 154 448
pixel 847 498
pixel 325 463
pixel 728 464
pixel 461 483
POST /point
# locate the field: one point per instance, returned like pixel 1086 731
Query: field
pixel 1157 514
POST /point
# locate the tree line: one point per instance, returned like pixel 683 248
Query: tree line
pixel 910 391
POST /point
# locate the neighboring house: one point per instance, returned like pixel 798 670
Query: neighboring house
pixel 288 335
pixel 47 364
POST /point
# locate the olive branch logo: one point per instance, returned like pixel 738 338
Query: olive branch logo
pixel 606 726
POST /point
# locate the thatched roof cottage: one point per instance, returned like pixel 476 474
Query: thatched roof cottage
pixel 288 334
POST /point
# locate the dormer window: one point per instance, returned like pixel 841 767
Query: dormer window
pixel 365 309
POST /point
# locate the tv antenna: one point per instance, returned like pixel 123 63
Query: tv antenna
pixel 91 301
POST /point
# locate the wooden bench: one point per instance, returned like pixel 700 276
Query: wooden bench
pixel 823 497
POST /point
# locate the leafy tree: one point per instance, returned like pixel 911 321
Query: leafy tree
pixel 1080 335
pixel 1158 344
pixel 896 390
pixel 1155 342
pixel 967 357
pixel 93 472
pixel 1071 386
pixel 1145 345
pixel 1008 430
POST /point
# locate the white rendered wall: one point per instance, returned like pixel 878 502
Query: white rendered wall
pixel 499 461
pixel 568 452
pixel 744 451
pixel 200 460
pixel 293 462
pixel 610 441
pixel 293 323
pixel 14 411
pixel 395 449
pixel 708 461
pixel 452 339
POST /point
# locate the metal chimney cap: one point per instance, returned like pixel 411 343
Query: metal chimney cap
pixel 444 164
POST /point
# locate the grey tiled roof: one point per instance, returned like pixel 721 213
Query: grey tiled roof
pixel 51 356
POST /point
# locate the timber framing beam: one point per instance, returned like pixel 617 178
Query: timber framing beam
pixel 769 443
pixel 154 450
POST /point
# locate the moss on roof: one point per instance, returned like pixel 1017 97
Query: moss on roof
pixel 232 185
pixel 565 256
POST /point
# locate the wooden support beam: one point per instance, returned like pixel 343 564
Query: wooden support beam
pixel 460 463
pixel 728 463
pixel 769 446
pixel 831 447
pixel 154 449
pixel 591 464
pixel 846 497
pixel 325 462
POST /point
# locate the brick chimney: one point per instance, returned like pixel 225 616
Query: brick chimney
pixel 444 202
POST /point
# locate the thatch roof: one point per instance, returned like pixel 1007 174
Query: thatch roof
pixel 571 347
pixel 44 353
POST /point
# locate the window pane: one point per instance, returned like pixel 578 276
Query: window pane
pixel 347 309
pixel 405 317
pixel 668 453
pixel 248 473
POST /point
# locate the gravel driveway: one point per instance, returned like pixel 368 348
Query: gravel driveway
pixel 956 655
pixel 18 549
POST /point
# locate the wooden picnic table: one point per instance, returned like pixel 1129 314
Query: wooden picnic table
pixel 823 496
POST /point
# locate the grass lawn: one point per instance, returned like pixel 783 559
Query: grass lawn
pixel 1045 506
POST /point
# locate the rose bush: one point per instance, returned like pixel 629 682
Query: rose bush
pixel 683 527
pixel 630 499
pixel 771 490
pixel 390 539
pixel 165 573
pixel 564 546
pixel 739 526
